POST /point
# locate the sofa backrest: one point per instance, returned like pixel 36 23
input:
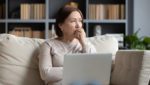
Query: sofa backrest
pixel 19 62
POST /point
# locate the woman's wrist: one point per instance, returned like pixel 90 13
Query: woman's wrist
pixel 84 44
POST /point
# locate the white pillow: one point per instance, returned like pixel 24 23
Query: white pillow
pixel 18 60
pixel 105 44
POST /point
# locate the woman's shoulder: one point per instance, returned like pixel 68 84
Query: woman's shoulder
pixel 50 42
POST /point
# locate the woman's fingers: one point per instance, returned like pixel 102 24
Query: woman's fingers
pixel 79 33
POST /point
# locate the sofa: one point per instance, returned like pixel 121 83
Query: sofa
pixel 19 61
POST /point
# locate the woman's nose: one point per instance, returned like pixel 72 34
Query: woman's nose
pixel 77 25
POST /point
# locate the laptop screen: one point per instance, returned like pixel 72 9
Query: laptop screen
pixel 86 68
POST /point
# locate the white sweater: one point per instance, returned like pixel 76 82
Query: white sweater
pixel 51 58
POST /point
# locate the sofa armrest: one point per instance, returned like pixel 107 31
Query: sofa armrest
pixel 132 67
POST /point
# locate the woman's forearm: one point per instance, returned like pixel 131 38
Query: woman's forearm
pixel 52 74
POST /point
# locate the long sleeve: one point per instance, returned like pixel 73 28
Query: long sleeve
pixel 51 58
pixel 88 48
pixel 47 71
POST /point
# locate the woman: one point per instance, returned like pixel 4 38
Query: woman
pixel 71 39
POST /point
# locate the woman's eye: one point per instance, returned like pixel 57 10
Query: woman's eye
pixel 80 20
pixel 73 21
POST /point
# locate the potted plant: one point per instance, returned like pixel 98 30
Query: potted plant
pixel 146 42
pixel 134 42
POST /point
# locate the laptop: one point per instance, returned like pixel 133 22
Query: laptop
pixel 86 68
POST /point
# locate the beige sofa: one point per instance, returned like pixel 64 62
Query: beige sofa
pixel 19 62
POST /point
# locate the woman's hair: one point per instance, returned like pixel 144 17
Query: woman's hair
pixel 62 15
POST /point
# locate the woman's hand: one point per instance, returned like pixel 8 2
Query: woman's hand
pixel 81 36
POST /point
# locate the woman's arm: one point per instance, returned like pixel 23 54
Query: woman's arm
pixel 86 46
pixel 47 71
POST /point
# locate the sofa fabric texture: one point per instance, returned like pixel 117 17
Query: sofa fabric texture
pixel 132 67
pixel 18 61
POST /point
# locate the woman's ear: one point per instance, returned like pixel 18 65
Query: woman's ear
pixel 60 26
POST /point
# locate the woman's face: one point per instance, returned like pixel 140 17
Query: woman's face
pixel 71 24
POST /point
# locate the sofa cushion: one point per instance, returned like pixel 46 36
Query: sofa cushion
pixel 105 44
pixel 18 60
pixel 132 67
